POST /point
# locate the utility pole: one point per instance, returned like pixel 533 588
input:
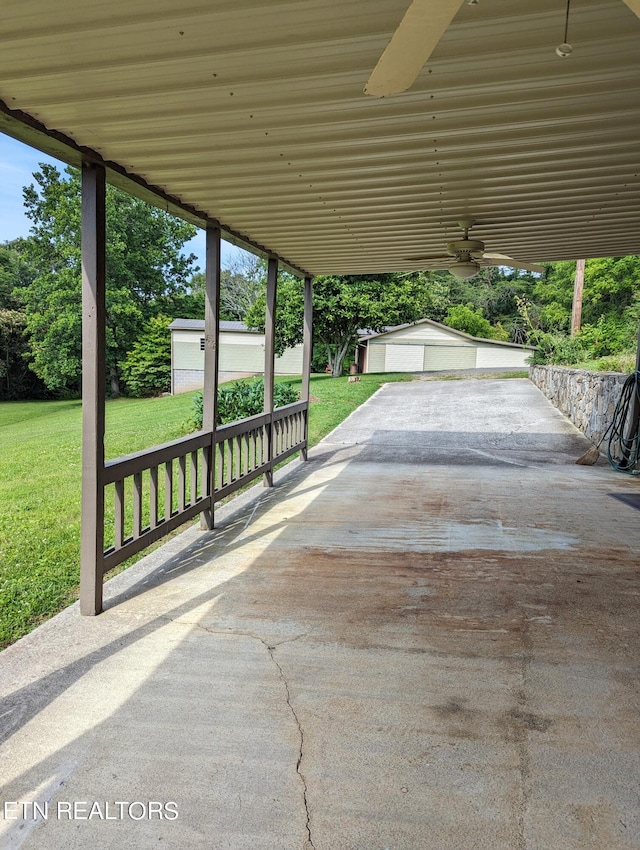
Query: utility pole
pixel 578 286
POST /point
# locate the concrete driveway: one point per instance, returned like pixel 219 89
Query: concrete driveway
pixel 425 638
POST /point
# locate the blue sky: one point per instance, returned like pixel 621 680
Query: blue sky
pixel 17 164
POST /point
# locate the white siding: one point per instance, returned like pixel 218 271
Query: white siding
pixel 239 358
pixel 231 338
pixel 422 333
pixel 240 353
pixel 403 358
pixel 501 355
pixel 191 337
pixel 187 354
pixel 375 357
pixel 291 362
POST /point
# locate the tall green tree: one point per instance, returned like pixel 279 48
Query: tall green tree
pixel 144 265
pixel 610 304
pixel 463 317
pixel 147 367
pixel 16 379
pixel 342 305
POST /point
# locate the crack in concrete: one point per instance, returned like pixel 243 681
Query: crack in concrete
pixel 308 845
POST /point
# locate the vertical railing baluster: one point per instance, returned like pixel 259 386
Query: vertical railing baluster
pixel 246 452
pixel 194 477
pixel 137 505
pixel 228 461
pixel 153 497
pixel 168 490
pixel 220 466
pixel 119 514
pixel 207 478
pixel 182 482
pixel 238 453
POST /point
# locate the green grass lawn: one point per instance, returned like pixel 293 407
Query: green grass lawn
pixel 40 470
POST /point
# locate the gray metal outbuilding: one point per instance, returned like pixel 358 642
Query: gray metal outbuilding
pixel 241 353
pixel 428 346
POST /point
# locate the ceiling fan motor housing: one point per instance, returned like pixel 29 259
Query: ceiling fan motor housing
pixel 465 246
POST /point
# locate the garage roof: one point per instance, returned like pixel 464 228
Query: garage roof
pixel 252 114
pixel 452 331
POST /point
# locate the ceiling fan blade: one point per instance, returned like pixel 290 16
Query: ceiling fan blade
pixel 634 5
pixel 415 39
pixel 504 260
pixel 431 258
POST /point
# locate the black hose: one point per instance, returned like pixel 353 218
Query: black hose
pixel 624 441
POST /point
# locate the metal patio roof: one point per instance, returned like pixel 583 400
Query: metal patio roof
pixel 252 113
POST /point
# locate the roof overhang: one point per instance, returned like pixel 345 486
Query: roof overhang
pixel 252 116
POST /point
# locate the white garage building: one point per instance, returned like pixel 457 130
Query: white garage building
pixel 428 346
pixel 241 354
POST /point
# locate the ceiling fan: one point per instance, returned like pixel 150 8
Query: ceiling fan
pixel 423 25
pixel 466 257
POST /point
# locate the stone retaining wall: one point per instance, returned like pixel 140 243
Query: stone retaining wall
pixel 588 399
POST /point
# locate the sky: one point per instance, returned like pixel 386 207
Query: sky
pixel 17 164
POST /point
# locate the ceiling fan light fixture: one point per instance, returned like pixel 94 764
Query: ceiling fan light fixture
pixel 464 270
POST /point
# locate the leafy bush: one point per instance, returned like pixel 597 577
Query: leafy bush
pixel 609 335
pixel 556 348
pixel 241 400
pixel 625 363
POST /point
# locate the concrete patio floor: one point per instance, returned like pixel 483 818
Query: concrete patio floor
pixel 424 638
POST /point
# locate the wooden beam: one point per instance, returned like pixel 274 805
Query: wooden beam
pixel 93 387
pixel 269 357
pixel 211 359
pixel 578 287
pixel 307 340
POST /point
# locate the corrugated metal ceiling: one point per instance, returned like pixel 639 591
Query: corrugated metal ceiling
pixel 253 112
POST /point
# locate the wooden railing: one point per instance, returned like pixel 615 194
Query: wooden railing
pixel 151 493
pixel 243 448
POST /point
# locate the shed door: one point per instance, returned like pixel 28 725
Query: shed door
pixel 449 357
pixel 403 358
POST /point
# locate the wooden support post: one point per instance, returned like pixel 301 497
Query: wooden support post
pixel 307 347
pixel 269 360
pixel 211 361
pixel 93 387
pixel 578 286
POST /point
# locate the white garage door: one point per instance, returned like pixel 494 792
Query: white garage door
pixel 449 357
pixel 403 358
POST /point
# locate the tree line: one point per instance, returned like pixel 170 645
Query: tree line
pixel 150 281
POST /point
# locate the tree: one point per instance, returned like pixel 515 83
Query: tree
pixel 241 284
pixel 611 291
pixel 16 379
pixel 147 367
pixel 144 265
pixel 342 306
pixel 464 318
